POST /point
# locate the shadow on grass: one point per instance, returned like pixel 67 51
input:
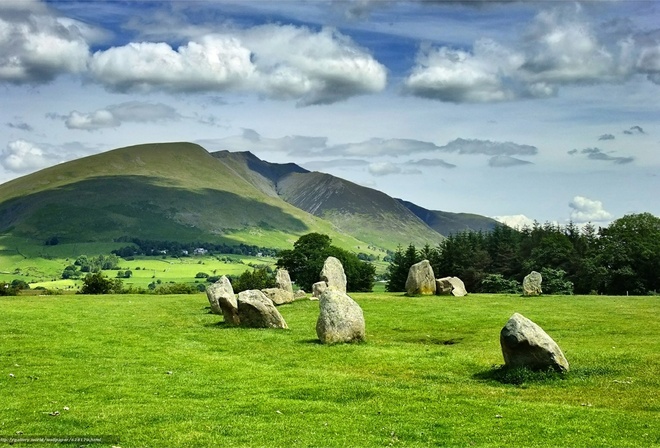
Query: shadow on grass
pixel 519 376
pixel 221 324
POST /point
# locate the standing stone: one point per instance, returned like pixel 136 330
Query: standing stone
pixel 532 284
pixel 340 318
pixel 255 310
pixel 300 294
pixel 421 279
pixel 458 287
pixel 525 344
pixel 333 274
pixel 443 286
pixel 278 296
pixel 318 288
pixel 283 280
pixel 223 301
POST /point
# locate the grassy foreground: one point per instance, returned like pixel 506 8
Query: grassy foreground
pixel 161 371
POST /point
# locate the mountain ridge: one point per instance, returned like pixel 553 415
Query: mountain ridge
pixel 180 190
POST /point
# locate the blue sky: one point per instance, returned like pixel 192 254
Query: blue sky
pixel 516 109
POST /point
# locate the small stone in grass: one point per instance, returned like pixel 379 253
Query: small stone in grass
pixel 54 413
pixel 11 375
pixel 66 408
pixel 169 372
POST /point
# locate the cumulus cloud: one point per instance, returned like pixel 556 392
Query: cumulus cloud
pixel 633 130
pixel 21 156
pixel 515 221
pixel 278 61
pixel 113 116
pixel 606 137
pixel 586 210
pixel 597 154
pixel 563 48
pixel 458 76
pixel 506 161
pixel 560 47
pixel 37 46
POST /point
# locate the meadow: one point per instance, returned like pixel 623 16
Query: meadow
pixel 43 266
pixel 162 371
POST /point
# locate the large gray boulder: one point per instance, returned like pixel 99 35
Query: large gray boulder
pixel 319 288
pixel 223 300
pixel 458 287
pixel 525 344
pixel 450 286
pixel 532 284
pixel 421 280
pixel 278 296
pixel 255 310
pixel 340 318
pixel 283 280
pixel 443 286
pixel 333 274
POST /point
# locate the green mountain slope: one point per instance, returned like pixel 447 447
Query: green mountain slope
pixel 181 192
pixel 447 223
pixel 174 191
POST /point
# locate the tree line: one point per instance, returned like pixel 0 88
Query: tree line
pixel 175 248
pixel 622 258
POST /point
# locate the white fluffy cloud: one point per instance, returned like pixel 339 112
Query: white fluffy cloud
pixel 515 221
pixel 279 61
pixel 113 116
pixel 459 76
pixel 562 48
pixel 559 48
pixel 586 210
pixel 21 156
pixel 36 47
pixel 214 63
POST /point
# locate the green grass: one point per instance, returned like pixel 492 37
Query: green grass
pixel 161 371
pixel 46 272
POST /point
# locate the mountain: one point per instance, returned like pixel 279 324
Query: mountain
pixel 181 192
pixel 171 191
pixel 447 223
pixel 365 213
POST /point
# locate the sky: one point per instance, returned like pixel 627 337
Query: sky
pixel 520 110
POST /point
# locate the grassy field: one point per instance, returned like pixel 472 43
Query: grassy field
pixel 161 371
pixel 46 272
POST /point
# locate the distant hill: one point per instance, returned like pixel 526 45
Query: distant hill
pixel 181 192
pixel 447 223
